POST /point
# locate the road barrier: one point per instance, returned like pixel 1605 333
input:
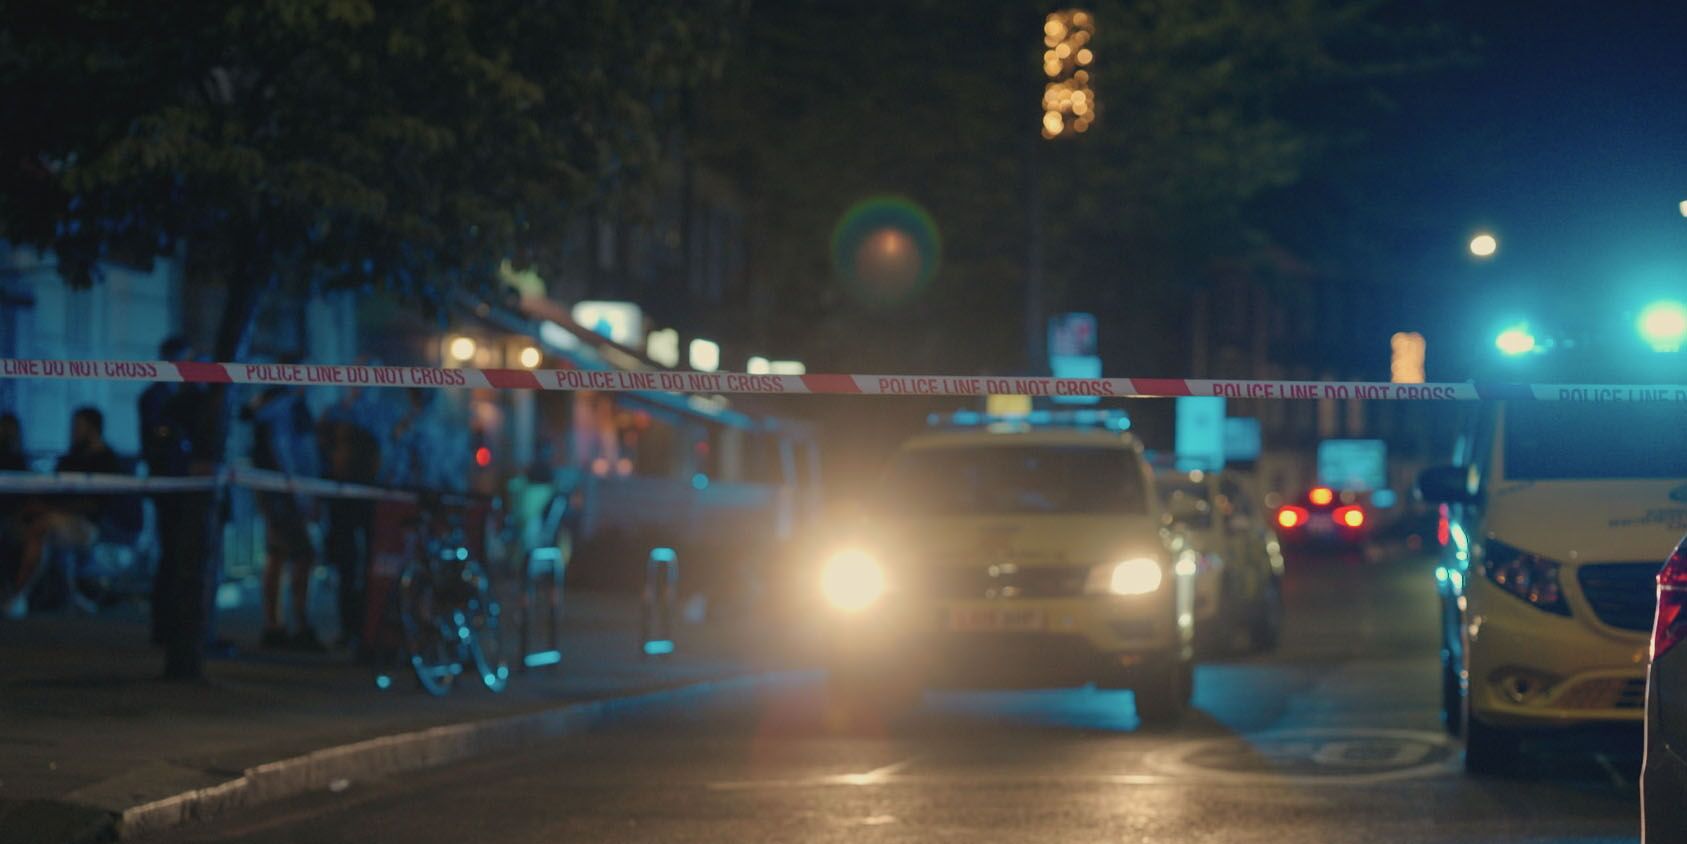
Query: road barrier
pixel 729 383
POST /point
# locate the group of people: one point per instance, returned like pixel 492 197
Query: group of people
pixel 364 437
pixel 42 535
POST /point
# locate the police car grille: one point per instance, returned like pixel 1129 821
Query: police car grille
pixel 1623 595
pixel 1005 581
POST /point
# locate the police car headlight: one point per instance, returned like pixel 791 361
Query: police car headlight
pixel 1135 576
pixel 852 580
pixel 1528 576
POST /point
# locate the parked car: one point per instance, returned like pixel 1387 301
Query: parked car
pixel 1663 780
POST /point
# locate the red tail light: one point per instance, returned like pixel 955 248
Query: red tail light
pixel 1350 516
pixel 1291 517
pixel 1671 624
pixel 1443 525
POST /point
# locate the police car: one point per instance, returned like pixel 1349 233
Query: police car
pixel 1019 552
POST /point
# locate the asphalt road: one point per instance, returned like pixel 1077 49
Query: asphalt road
pixel 1333 738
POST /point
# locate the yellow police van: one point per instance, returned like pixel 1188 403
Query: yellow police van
pixel 1017 552
pixel 1556 517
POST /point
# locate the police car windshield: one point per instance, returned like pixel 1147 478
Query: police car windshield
pixel 1014 480
pixel 1550 441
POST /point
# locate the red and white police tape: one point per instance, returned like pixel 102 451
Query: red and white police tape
pixel 312 374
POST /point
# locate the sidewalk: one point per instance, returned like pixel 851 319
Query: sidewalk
pixel 87 729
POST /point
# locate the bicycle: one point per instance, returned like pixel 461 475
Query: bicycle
pixel 448 613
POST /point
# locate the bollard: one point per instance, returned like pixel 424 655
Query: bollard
pixel 656 610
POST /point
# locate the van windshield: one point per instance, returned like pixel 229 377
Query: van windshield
pixel 1555 441
pixel 1014 480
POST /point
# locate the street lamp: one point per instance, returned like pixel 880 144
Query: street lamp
pixel 1484 245
pixel 461 348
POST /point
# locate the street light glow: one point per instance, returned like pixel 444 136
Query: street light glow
pixel 461 348
pixel 1484 245
pixel 1663 325
pixel 530 357
pixel 1515 340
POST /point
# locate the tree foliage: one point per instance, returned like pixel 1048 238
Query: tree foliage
pixel 412 144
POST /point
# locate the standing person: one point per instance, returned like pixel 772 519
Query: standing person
pixel 351 449
pixel 12 459
pixel 284 441
pixel 171 416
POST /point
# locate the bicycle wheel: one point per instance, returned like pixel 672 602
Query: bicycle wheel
pixel 486 633
pixel 431 643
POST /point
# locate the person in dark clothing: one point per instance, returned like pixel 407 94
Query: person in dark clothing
pixel 12 459
pixel 68 525
pixel 170 416
pixel 283 440
pixel 351 448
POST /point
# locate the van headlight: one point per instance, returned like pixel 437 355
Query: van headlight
pixel 1528 576
pixel 852 580
pixel 1134 576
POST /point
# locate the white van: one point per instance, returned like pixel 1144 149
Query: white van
pixel 1558 516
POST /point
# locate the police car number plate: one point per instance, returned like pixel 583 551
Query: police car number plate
pixel 994 620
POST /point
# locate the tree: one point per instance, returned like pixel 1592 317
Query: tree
pixel 1208 111
pixel 411 145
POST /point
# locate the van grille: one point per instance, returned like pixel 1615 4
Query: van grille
pixel 1623 595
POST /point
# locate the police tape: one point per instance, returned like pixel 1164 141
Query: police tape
pixel 739 383
pixel 261 480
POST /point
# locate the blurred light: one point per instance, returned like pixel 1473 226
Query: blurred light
pixel 1186 566
pixel 1406 364
pixel 1137 576
pixel 1663 325
pixel 1351 516
pixel 1052 68
pixel 624 467
pixel 1683 207
pixel 530 357
pixel 556 336
pixel 787 367
pixel 1291 516
pixel 1484 245
pixel 662 346
pixel 1007 405
pixel 663 554
pixel 383 681
pixel 600 467
pixel 1053 122
pixel 461 348
pixel 621 322
pixel 1085 56
pixel 483 457
pixel 1321 495
pixel 852 580
pixel 758 366
pixel 705 355
pixel 1515 340
pixel 1383 499
pixel 659 647
pixel 699 481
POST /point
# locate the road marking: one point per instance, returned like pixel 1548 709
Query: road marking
pixel 1331 756
pixel 877 776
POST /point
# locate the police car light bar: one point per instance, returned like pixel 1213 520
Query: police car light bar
pixel 1112 420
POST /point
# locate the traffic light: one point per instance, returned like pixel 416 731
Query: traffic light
pixel 1663 325
pixel 1406 366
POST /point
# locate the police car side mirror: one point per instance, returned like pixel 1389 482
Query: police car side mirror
pixel 1446 485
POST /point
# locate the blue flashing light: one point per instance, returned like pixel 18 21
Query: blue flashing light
pixel 1515 340
pixel 699 481
pixel 659 647
pixel 462 553
pixel 1663 325
pixel 663 555
pixel 383 681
